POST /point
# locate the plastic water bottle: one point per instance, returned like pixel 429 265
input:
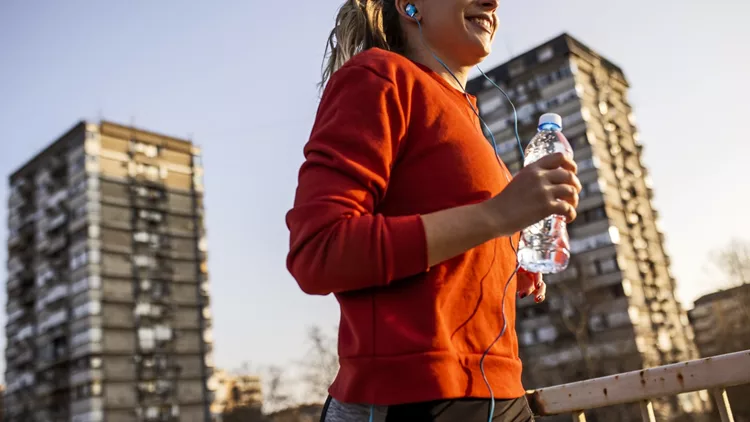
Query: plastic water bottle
pixel 545 246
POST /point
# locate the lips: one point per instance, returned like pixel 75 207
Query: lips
pixel 484 22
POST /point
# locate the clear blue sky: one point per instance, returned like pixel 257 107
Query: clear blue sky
pixel 239 76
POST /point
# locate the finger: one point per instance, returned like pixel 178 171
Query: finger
pixel 541 293
pixel 526 292
pixel 539 281
pixel 527 285
pixel 565 193
pixel 557 160
pixel 564 209
pixel 562 176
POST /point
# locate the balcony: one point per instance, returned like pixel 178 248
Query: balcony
pixel 17 240
pixel 603 280
pixel 22 381
pixel 23 357
pixel 57 198
pixel 53 320
pixel 16 201
pixel 714 374
pixel 56 221
pixel 14 311
pixel 56 243
pixel 42 244
pixel 14 281
pixel 56 383
pixel 87 375
pixel 54 293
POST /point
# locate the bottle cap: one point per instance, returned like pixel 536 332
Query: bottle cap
pixel 551 118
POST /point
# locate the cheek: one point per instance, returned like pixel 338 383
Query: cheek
pixel 445 31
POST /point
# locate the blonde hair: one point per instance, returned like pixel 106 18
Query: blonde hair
pixel 361 25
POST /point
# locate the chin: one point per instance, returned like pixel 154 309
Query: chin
pixel 476 53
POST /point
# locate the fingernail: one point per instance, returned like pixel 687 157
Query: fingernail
pixel 539 285
pixel 539 299
pixel 522 295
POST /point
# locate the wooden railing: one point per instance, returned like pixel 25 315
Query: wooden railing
pixel 714 374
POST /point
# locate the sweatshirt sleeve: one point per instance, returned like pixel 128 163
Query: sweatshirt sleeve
pixel 338 243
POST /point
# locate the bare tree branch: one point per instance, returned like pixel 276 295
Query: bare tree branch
pixel 733 261
pixel 320 365
pixel 276 397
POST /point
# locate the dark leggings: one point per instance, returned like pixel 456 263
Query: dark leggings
pixel 462 410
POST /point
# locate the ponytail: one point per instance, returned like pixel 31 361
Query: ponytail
pixel 361 25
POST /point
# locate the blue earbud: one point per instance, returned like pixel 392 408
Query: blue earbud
pixel 411 10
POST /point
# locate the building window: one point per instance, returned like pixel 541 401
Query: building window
pixel 78 187
pixel 526 113
pixel 635 315
pixel 547 334
pixel 78 260
pixel 490 103
pixel 614 235
pixel 77 164
pixel 150 216
pixel 526 338
pixel 594 214
pixel 80 211
pixel 150 151
pixel 545 54
pixel 95 256
pixel 86 335
pixel 506 146
pixel 151 172
pixel 591 242
pixel 96 362
pixel 593 187
pixel 498 125
pixel 87 390
pixel 606 265
pixel 143 261
pixel 588 163
pixel 162 333
pixel 93 307
pixel 597 323
pixel 618 319
pixel 145 192
pixel 516 68
pixel 618 291
pixel 572 119
pixel 590 188
pixel 146 338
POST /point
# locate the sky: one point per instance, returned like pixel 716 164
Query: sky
pixel 239 78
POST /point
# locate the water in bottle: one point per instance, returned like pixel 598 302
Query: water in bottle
pixel 545 246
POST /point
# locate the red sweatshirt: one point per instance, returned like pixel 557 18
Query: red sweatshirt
pixel 393 140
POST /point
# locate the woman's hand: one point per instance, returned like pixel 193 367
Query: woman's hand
pixel 546 187
pixel 531 283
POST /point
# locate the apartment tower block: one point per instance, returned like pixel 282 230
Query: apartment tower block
pixel 614 308
pixel 108 315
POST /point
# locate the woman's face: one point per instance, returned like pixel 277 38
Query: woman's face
pixel 461 31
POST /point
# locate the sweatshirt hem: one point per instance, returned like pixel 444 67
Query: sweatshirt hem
pixel 388 381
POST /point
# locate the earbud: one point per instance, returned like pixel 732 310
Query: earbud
pixel 411 10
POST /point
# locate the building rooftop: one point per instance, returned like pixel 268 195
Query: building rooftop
pixel 111 128
pixel 723 294
pixel 562 45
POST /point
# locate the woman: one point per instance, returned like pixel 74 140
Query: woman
pixel 405 214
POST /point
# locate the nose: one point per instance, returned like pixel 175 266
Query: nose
pixel 490 5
